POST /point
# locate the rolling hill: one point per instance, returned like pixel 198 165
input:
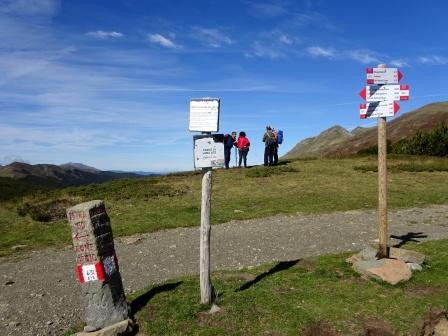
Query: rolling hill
pixel 48 175
pixel 337 141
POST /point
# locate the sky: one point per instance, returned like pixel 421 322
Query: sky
pixel 107 82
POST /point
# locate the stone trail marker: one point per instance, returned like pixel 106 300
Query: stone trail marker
pixel 97 266
pixel 382 95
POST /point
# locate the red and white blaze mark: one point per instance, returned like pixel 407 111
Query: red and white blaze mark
pixel 90 272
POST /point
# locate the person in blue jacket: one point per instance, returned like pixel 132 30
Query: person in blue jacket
pixel 229 142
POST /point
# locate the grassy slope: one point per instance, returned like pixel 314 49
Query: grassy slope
pixel 336 144
pixel 156 203
pixel 285 302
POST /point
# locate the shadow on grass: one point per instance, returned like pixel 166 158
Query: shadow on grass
pixel 140 302
pixel 281 266
pixel 409 237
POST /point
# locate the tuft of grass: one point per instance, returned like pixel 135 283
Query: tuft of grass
pixel 269 171
pixel 413 166
pixel 284 298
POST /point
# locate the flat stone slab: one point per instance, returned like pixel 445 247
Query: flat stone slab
pixel 406 255
pixel 388 270
pixel 118 329
pixel 441 329
pixel 367 253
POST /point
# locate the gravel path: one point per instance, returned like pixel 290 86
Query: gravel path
pixel 39 294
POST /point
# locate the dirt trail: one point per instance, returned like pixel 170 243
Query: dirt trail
pixel 39 294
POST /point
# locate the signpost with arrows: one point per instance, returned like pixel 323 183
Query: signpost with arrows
pixel 382 91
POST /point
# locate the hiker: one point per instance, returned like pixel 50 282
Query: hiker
pixel 243 144
pixel 229 142
pixel 236 148
pixel 278 141
pixel 275 155
pixel 269 146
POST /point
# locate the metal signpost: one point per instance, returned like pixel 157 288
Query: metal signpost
pixel 208 153
pixel 381 97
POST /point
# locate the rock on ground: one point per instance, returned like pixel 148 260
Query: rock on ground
pixel 388 270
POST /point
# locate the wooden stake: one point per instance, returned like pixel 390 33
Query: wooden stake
pixel 204 263
pixel 382 185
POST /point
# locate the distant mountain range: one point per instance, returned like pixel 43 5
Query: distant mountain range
pixel 69 174
pixel 337 141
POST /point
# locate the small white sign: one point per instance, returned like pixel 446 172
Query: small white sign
pixel 383 75
pixel 373 93
pixel 89 273
pixel 204 115
pixel 378 109
pixel 208 151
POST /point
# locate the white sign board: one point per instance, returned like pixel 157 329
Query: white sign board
pixel 374 93
pixel 208 151
pixel 383 75
pixel 378 109
pixel 204 115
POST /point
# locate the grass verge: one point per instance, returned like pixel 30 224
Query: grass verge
pixel 285 298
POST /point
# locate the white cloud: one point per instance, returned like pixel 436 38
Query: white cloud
pixel 102 35
pixel 400 63
pixel 162 40
pixel 433 60
pixel 267 10
pixel 363 56
pixel 211 37
pixel 282 38
pixel 321 52
pixel 312 18
pixel 29 7
pixel 260 49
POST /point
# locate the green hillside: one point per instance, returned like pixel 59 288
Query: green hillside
pixel 338 142
pixel 35 218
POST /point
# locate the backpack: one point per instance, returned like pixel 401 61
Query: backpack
pixel 270 139
pixel 280 137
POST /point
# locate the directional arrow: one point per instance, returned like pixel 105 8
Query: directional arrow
pixel 375 93
pixel 378 109
pixel 383 75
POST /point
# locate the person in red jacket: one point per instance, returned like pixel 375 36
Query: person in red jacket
pixel 243 144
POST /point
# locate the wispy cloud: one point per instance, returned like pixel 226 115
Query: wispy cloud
pixel 312 19
pixel 321 52
pixel 260 49
pixel 103 35
pixel 400 63
pixel 433 60
pixel 211 37
pixel 363 56
pixel 29 7
pixel 268 9
pixel 162 40
pixel 283 38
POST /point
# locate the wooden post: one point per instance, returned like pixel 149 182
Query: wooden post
pixel 382 185
pixel 204 259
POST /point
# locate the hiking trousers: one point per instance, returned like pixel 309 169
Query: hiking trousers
pixel 243 156
pixel 269 155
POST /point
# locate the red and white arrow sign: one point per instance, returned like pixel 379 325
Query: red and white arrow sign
pixel 373 93
pixel 383 75
pixel 378 109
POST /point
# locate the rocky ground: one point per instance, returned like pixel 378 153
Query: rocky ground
pixel 40 294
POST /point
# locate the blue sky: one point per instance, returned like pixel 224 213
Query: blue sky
pixel 107 83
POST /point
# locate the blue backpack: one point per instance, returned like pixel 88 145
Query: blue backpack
pixel 280 136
